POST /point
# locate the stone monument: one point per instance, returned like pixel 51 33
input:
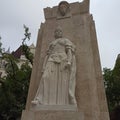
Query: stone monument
pixel 66 81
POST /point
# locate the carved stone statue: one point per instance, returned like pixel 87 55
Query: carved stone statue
pixel 57 84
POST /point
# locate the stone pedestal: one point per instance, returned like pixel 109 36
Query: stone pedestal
pixel 62 115
pixel 52 115
pixel 79 27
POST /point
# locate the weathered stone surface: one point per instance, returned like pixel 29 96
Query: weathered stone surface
pixel 62 115
pixel 54 107
pixel 52 115
pixel 78 26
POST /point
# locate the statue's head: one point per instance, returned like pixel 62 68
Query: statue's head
pixel 58 32
pixel 63 7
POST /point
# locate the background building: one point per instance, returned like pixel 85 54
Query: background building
pixel 18 54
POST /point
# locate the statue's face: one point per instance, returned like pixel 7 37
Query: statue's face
pixel 58 33
pixel 63 9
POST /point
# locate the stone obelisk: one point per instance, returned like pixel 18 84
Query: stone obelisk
pixel 77 26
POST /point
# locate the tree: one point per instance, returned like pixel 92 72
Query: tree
pixel 109 85
pixel 116 76
pixel 26 49
pixel 0 45
pixel 14 86
pixel 112 85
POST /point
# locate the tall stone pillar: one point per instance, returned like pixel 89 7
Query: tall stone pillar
pixel 78 26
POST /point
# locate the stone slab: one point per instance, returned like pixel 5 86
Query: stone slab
pixel 52 115
pixel 54 107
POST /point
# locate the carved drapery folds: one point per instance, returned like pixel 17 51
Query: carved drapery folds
pixel 57 84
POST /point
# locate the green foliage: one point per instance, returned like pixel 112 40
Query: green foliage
pixel 14 89
pixel 27 34
pixel 27 53
pixel 112 85
pixel 109 85
pixel 25 48
pixel 0 45
pixel 14 86
pixel 116 76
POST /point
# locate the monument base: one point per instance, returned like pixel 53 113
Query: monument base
pixel 52 115
pixel 63 115
pixel 79 27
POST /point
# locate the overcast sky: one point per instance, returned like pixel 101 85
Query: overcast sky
pixel 15 13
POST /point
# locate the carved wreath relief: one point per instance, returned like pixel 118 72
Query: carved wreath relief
pixel 63 8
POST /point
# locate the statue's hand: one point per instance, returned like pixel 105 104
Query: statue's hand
pixel 68 65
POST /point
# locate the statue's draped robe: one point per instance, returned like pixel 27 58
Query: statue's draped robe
pixel 57 84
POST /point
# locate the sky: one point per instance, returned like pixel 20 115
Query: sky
pixel 15 13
